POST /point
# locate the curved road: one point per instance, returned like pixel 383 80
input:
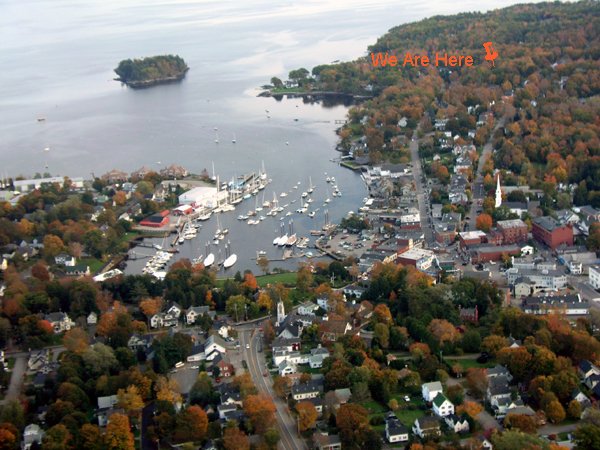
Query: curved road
pixel 289 439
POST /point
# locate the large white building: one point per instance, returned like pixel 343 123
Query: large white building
pixel 594 275
pixel 30 185
pixel 204 196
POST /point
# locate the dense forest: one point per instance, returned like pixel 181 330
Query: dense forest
pixel 545 84
pixel 151 70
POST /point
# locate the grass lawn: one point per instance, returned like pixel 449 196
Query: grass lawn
pixel 128 236
pixel 374 407
pixel 11 363
pixel 408 416
pixel 468 363
pixel 95 264
pixel 284 90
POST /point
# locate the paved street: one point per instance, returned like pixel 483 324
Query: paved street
pixel 477 188
pixel 256 367
pixel 16 378
pixel 418 176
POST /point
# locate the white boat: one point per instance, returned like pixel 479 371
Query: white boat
pixel 180 240
pixel 291 240
pixel 205 216
pixel 328 179
pixel 283 194
pixel 233 140
pixel 261 218
pixel 311 214
pixel 216 138
pixel 311 188
pixel 243 217
pixel 276 241
pixel 230 261
pixel 262 253
pixel 209 260
pixel 304 194
pixel 282 240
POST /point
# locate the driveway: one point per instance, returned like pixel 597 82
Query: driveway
pixel 16 378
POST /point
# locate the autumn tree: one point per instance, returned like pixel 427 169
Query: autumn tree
pixel 282 386
pixel 555 411
pixel 76 340
pixel 264 301
pixel 244 384
pixel 235 439
pixel 307 415
pixel 260 409
pixel 118 434
pixel 484 222
pixel 57 438
pixel 191 425
pixel 90 437
pixel 351 419
pixel 167 390
pixel 493 343
pixel 250 282
pixel 477 381
pixel 40 271
pixel 574 409
pixel 443 331
pixel 120 198
pixel 53 245
pixel 472 409
pixel 382 314
pixel 130 400
pixel 522 422
pixel 150 307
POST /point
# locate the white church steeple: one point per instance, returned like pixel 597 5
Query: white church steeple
pixel 498 193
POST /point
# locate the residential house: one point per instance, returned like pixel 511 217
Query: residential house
pixel 317 355
pixel 92 318
pixel 587 369
pixel 288 345
pixel 32 434
pixel 65 259
pixel 196 311
pixel 431 390
pixel 442 406
pixel 322 441
pixel 581 398
pixel 161 319
pixel 333 329
pixel 303 391
pixel 497 371
pixel 37 359
pixel 307 308
pixel 223 410
pixel 498 394
pixel 427 427
pixel 78 270
pixel 137 342
pixel 213 345
pixel 286 368
pixel 59 321
pixel 457 424
pixel 175 310
pixel 226 369
pixel 317 402
pixel 221 327
pixel 394 430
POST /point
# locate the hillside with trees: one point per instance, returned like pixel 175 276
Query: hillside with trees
pixel 152 70
pixel 545 86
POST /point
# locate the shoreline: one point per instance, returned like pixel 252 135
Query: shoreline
pixel 155 82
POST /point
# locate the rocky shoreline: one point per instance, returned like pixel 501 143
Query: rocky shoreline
pixel 154 82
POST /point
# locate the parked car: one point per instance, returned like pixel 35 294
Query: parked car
pixel 406 398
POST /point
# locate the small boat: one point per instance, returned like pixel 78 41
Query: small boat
pixel 287 143
pixel 311 188
pixel 291 241
pixel 262 253
pixel 233 140
pixel 209 260
pixel 243 217
pixel 230 261
pixel 276 241
pixel 283 194
pixel 328 179
pixel 304 194
pixel 311 214
pixel 180 240
pixel 261 218
pixel 283 240
pixel 216 138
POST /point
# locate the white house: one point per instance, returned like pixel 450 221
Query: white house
pixel 394 430
pixel 213 344
pixel 175 310
pixel 594 276
pixel 64 259
pixel 287 368
pixel 194 312
pixel 307 309
pixel 442 406
pixel 431 390
pixel 32 433
pixel 59 321
pixel 92 318
pixel 457 424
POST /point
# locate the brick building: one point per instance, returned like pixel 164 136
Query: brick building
pixel 548 231
pixel 486 253
pixel 513 231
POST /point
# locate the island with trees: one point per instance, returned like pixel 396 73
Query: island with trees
pixel 150 71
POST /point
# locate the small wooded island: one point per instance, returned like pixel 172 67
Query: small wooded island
pixel 150 71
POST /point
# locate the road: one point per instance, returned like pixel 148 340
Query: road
pixel 477 187
pixel 289 439
pixel 418 176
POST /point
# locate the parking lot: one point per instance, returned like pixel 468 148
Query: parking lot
pixel 347 244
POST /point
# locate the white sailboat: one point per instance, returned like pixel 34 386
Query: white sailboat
pixel 209 260
pixel 216 137
pixel 231 259
pixel 311 188
pixel 234 140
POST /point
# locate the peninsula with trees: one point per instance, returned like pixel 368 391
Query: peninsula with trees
pixel 150 71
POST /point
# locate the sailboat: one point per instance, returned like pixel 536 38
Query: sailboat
pixel 216 137
pixel 210 257
pixel 311 188
pixel 231 259
pixel 233 140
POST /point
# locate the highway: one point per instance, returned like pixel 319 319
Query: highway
pixel 421 195
pixel 289 439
